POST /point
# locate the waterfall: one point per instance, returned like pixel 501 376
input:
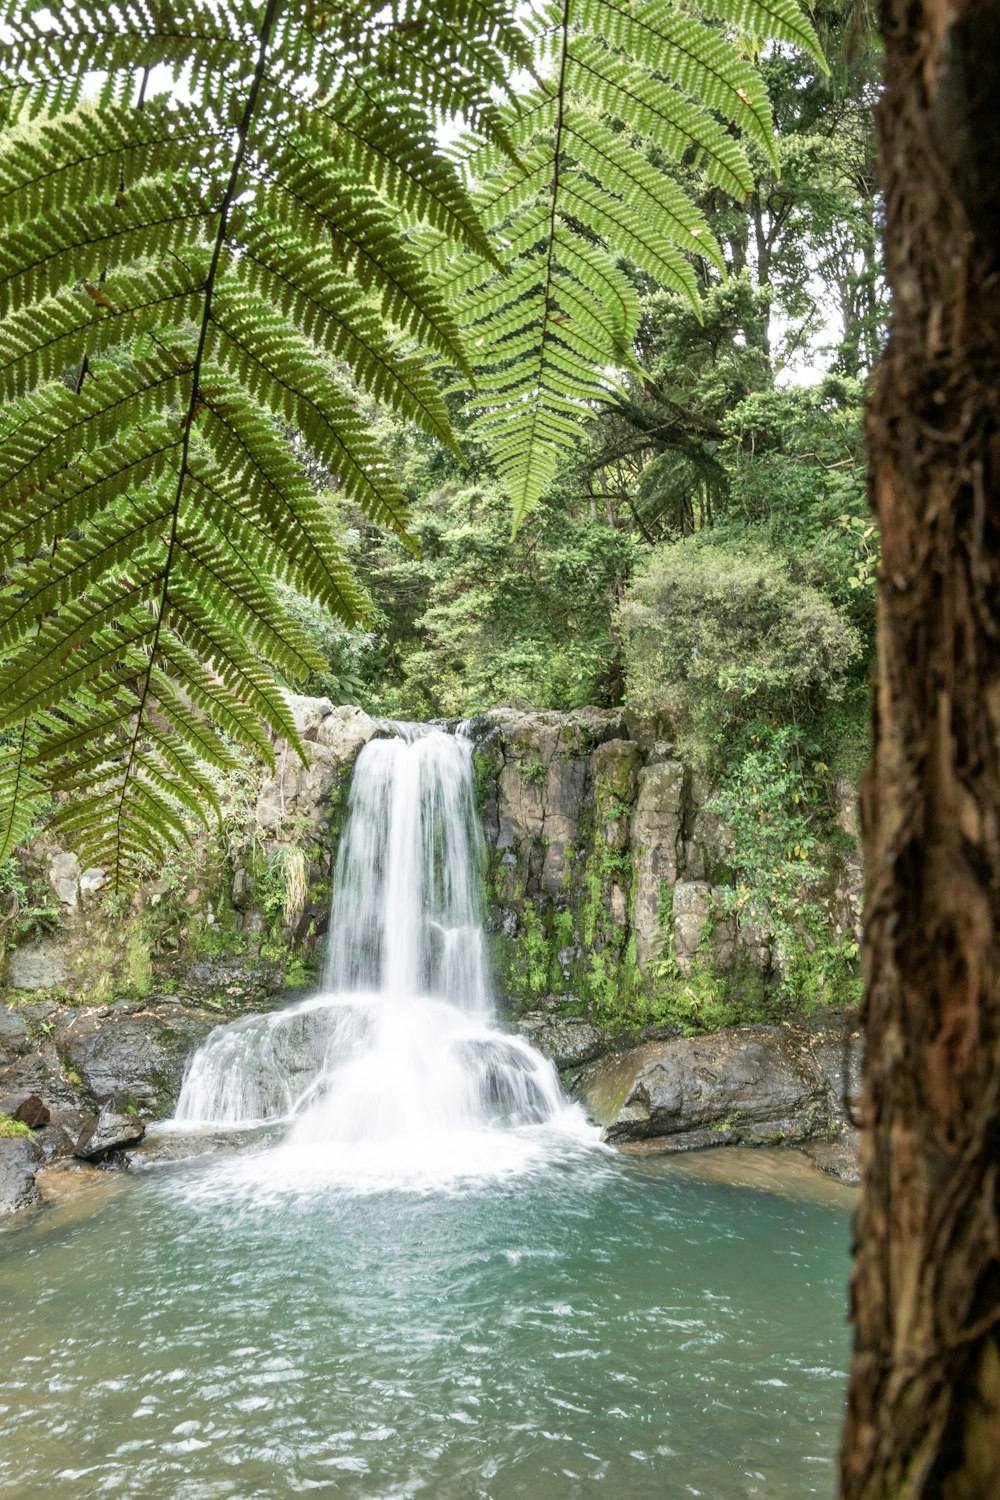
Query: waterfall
pixel 395 1073
pixel 405 916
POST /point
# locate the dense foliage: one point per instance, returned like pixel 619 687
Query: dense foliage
pixel 199 283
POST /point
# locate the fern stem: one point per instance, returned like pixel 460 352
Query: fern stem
pixel 187 422
pixel 550 252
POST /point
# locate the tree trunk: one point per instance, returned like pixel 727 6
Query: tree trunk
pixel 924 1401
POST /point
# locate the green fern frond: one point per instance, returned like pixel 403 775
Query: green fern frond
pixel 624 77
pixel 22 792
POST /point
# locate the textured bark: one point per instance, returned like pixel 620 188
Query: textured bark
pixel 924 1402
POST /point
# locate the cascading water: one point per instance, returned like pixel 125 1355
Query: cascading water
pixel 395 1074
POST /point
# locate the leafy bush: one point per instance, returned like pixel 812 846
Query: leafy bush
pixel 773 801
pixel 719 636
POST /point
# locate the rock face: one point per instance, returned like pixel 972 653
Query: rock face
pixel 604 860
pixel 209 923
pixel 332 738
pixel 86 1080
pixel 607 866
pixel 749 1086
pixel 132 1052
pixel 20 1159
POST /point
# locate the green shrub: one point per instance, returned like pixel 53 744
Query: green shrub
pixel 716 636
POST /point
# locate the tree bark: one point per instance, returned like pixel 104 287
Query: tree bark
pixel 924 1399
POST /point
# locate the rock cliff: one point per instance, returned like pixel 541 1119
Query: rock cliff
pixel 607 878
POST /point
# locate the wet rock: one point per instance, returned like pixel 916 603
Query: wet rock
pixel 32 1112
pixel 239 979
pixel 543 763
pixel 105 1132
pixel 751 1085
pixel 14 1037
pixel 58 1139
pixel 20 1158
pixel 568 1041
pixel 38 1072
pixel 837 1157
pixel 160 1148
pixel 135 1055
pixel 839 1051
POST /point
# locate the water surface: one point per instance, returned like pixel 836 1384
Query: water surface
pixel 594 1326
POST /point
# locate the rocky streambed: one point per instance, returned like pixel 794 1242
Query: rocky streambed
pixel 83 1083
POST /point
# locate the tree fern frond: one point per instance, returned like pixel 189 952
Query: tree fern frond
pixel 780 20
pixel 303 392
pixel 41 434
pixel 212 570
pixel 152 220
pixel 83 490
pixel 111 546
pixel 618 70
pixel 21 792
pixel 88 153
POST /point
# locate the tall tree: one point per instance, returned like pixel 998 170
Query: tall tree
pixel 924 1405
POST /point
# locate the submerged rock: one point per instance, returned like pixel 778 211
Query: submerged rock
pixel 20 1158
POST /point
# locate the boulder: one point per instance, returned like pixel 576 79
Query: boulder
pixel 58 1139
pixel 135 1054
pixel 42 965
pixel 20 1158
pixel 106 1131
pixel 837 1157
pixel 568 1041
pixel 32 1112
pixel 309 713
pixel 64 877
pixel 748 1086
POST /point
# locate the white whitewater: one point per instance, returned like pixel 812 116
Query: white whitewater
pixel 396 1074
